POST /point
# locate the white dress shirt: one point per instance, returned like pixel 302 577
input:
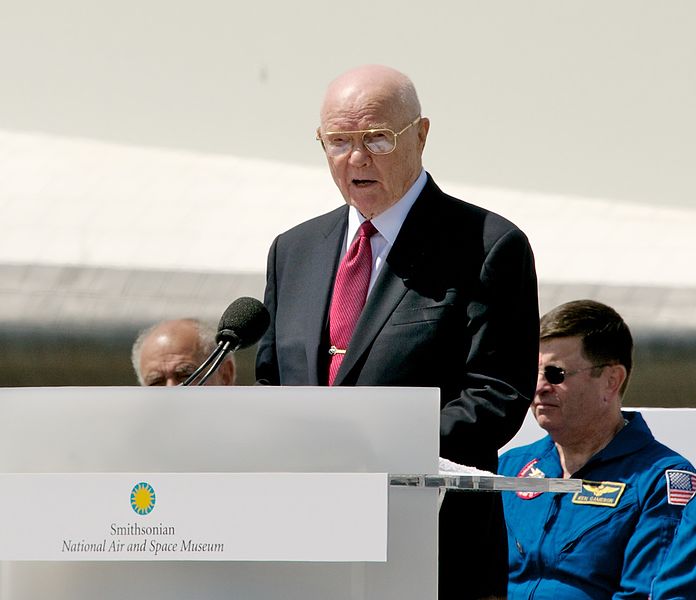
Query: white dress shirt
pixel 388 224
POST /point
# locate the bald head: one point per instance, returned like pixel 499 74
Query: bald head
pixel 366 98
pixel 168 352
pixel 373 85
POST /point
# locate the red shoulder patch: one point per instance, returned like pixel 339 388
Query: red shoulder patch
pixel 530 470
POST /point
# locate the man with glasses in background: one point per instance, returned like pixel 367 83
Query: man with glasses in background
pixel 610 539
pixel 407 286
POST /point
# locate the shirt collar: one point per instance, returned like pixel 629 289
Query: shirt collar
pixel 634 436
pixel 389 223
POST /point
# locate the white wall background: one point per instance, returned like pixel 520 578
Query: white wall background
pixel 150 150
pixel 591 98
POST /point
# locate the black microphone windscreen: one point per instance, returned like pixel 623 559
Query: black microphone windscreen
pixel 243 323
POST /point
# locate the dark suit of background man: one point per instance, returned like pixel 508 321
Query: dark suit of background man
pixel 452 304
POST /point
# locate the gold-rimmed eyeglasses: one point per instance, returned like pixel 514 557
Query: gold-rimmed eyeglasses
pixel 377 141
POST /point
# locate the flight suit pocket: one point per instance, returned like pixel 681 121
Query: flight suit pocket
pixel 579 552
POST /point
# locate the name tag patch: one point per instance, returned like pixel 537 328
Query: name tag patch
pixel 600 493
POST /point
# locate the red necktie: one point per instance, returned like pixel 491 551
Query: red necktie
pixel 350 292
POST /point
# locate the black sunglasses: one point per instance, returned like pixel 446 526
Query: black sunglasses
pixel 556 375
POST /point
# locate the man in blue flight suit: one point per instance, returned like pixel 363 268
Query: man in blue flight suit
pixel 610 539
pixel 677 578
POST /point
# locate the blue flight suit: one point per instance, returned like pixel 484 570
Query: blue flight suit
pixel 607 541
pixel 677 578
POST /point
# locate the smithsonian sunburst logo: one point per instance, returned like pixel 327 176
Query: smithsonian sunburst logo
pixel 143 498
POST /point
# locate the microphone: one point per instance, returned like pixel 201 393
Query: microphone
pixel 241 325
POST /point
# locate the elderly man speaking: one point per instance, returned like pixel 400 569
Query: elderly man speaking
pixel 407 286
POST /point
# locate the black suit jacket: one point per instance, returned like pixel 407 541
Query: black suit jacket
pixel 453 307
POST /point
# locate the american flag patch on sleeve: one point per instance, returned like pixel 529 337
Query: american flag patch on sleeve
pixel 681 486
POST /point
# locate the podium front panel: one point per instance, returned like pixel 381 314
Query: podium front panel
pixel 231 430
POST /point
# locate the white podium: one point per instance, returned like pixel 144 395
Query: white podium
pixel 71 457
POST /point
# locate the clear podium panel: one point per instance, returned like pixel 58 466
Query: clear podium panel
pixel 487 483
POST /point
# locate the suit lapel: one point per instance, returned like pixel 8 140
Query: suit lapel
pixel 406 257
pixel 324 262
